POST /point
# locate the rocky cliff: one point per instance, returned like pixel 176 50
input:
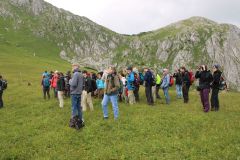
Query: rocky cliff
pixel 189 42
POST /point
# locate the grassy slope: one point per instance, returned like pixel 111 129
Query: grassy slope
pixel 31 128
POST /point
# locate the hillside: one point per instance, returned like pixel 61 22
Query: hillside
pixel 189 42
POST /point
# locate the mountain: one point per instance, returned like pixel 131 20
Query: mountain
pixel 189 42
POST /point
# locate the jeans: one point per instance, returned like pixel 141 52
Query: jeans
pixel 1 100
pixel 185 90
pixel 76 106
pixel 148 92
pixel 114 100
pixel 165 91
pixel 205 99
pixel 214 99
pixel 179 90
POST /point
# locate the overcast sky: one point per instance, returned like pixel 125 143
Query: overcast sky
pixel 134 16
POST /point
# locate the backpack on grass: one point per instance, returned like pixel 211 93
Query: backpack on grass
pixel 76 123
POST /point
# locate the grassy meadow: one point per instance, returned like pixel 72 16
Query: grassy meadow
pixel 32 128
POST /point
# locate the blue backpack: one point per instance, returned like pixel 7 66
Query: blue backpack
pixel 141 78
pixel 46 82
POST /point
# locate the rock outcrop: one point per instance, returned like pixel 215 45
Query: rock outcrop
pixel 189 42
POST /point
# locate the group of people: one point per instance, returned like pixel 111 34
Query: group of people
pixel 112 86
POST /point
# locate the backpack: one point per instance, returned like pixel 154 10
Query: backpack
pixel 171 83
pixel 191 77
pixel 136 82
pixel 46 82
pixel 94 85
pixel 222 83
pixel 76 123
pixel 153 79
pixel 141 78
pixel 4 85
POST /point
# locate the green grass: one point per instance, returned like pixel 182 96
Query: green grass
pixel 32 128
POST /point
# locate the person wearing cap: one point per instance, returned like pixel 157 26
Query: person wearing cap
pixel 215 88
pixel 87 92
pixel 165 85
pixel 112 86
pixel 148 81
pixel 130 86
pixel 76 87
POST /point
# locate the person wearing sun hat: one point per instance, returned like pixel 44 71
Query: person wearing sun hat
pixel 215 87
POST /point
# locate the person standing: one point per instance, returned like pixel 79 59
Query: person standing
pixel 185 84
pixel 54 83
pixel 87 92
pixel 76 87
pixel 165 85
pixel 46 86
pixel 67 85
pixel 130 86
pixel 60 89
pixel 100 86
pixel 3 86
pixel 148 80
pixel 136 84
pixel 178 77
pixel 124 83
pixel 158 86
pixel 154 90
pixel 111 93
pixel 205 79
pixel 215 88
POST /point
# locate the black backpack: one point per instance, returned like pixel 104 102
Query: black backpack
pixel 222 83
pixel 76 123
pixel 94 85
pixel 4 85
pixel 153 79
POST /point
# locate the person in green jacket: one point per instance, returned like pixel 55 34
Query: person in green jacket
pixel 158 84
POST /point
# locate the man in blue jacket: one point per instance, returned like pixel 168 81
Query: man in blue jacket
pixel 130 86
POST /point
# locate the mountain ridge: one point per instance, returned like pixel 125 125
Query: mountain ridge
pixel 189 42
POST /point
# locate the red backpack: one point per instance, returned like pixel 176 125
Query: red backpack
pixel 191 77
pixel 171 83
